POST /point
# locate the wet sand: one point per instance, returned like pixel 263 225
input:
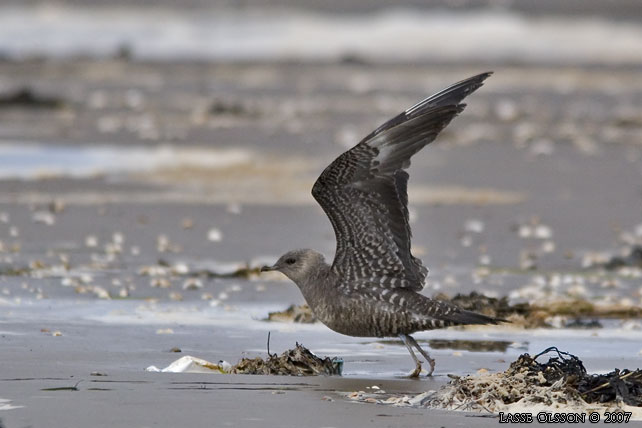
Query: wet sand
pixel 104 348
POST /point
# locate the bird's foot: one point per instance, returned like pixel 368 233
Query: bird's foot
pixel 431 361
pixel 415 374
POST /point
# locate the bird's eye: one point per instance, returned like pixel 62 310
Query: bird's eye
pixel 290 261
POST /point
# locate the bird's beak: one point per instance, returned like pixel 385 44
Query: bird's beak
pixel 268 268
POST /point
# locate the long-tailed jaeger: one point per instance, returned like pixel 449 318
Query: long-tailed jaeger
pixel 371 289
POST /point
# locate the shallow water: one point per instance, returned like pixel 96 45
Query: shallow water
pixel 26 160
pixel 258 34
pixel 236 331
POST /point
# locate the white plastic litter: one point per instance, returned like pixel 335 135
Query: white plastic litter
pixel 189 364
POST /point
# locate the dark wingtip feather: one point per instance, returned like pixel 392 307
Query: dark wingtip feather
pixel 453 94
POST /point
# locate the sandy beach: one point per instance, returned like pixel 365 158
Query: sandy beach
pixel 139 194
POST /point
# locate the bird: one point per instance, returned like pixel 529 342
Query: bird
pixel 372 287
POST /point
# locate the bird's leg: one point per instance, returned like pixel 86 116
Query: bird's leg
pixel 407 340
pixel 424 353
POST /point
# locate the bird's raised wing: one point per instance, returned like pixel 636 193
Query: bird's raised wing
pixel 364 193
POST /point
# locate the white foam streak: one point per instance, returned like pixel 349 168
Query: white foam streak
pixel 251 34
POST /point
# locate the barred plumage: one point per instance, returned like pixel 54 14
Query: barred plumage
pixel 371 287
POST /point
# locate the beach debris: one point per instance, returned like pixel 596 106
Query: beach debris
pixel 214 235
pixel 175 296
pixel 573 311
pixel 192 284
pixel 189 364
pixel 474 226
pixel 534 229
pixel 56 206
pixel 160 283
pixel 293 362
pixel 44 217
pixel 294 313
pixel 489 306
pixel 582 323
pixel 632 259
pixel 27 98
pixel 91 241
pixel 100 292
pixel 10 269
pixel 562 381
pixel 231 108
pixel 97 290
pixel 165 268
pixel 164 245
pixel 527 260
pixel 631 325
pixel 528 385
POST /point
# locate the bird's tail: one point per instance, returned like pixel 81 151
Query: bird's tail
pixel 451 314
pixel 468 317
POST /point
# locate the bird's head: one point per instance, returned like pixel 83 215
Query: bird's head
pixel 298 265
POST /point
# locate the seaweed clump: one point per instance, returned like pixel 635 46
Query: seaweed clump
pixel 522 314
pixel 623 386
pixel 293 362
pixel 27 98
pixel 528 385
pixel 562 381
pixel 618 386
pixel 489 306
pixel 534 315
pixel 294 313
pixel 633 259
